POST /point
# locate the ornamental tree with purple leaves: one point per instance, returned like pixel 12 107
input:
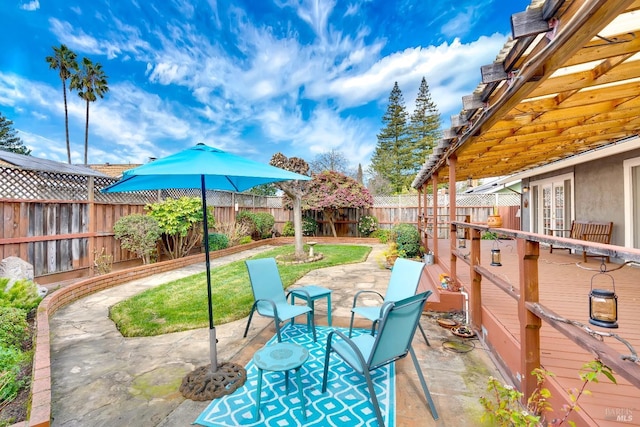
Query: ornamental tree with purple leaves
pixel 330 191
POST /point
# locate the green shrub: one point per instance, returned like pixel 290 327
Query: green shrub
pixel 11 360
pixel 218 241
pixel 13 326
pixel 260 224
pixel 244 240
pixel 23 294
pixel 264 224
pixel 139 234
pixel 367 224
pixel 408 239
pixel 489 235
pixel 181 223
pixel 288 230
pixel 246 218
pixel 382 234
pixel 309 226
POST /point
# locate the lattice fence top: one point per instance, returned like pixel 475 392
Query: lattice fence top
pixel 40 185
pixel 24 184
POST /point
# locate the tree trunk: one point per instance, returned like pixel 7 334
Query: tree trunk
pixel 297 226
pixel 66 120
pixel 86 135
pixel 329 213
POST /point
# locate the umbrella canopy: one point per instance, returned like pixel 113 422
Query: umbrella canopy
pixel 202 167
pixel 221 171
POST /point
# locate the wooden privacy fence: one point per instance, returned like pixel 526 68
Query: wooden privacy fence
pixel 60 222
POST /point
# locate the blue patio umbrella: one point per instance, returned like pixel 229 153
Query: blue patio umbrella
pixel 205 168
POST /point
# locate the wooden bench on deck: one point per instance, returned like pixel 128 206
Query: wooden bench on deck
pixel 598 232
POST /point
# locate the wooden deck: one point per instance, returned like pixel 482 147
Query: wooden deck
pixel 563 288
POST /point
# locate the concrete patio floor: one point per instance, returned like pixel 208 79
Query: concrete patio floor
pixel 100 378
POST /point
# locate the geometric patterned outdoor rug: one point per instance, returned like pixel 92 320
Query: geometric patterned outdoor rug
pixel 346 402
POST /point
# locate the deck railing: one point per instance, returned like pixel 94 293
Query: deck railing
pixel 531 313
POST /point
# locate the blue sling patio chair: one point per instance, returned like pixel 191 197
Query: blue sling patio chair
pixel 403 283
pixel 269 296
pixel 365 353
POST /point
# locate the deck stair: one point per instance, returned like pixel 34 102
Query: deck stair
pixel 442 300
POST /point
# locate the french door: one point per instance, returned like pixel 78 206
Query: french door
pixel 553 205
pixel 632 202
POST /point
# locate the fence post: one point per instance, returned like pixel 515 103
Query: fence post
pixel 93 226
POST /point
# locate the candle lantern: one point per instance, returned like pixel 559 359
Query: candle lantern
pixel 495 255
pixel 603 306
pixel 462 241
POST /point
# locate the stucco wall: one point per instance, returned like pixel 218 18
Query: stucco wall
pixel 599 191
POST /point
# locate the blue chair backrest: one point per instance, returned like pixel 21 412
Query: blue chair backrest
pixel 396 330
pixel 405 276
pixel 265 280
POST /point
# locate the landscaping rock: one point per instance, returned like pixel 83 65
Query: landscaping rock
pixel 15 268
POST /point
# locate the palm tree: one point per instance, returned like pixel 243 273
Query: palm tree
pixel 64 60
pixel 90 82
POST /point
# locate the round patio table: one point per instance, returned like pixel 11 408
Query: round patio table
pixel 281 357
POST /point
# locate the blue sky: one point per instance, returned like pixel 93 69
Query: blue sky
pixel 252 77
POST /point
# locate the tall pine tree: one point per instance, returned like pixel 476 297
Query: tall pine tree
pixel 9 140
pixel 392 158
pixel 424 127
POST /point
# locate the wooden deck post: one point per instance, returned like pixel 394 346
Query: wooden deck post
pixel 528 253
pixel 475 293
pixel 419 217
pixel 434 244
pixel 453 160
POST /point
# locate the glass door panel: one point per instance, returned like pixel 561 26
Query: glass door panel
pixel 553 209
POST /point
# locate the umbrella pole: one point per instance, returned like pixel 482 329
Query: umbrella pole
pixel 212 329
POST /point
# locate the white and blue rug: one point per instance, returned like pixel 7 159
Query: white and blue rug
pixel 346 401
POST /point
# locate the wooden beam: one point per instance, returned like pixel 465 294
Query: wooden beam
pixel 528 23
pixel 472 102
pixel 517 51
pixel 550 7
pixel 458 121
pixel 493 72
pixel 449 134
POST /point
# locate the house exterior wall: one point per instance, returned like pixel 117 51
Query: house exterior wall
pixel 598 192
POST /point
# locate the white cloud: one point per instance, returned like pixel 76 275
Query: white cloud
pixel 30 6
pixel 123 38
pixel 73 38
pixel 450 70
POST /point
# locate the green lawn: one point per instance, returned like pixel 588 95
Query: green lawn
pixel 182 304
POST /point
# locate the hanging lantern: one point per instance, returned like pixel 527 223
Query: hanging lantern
pixel 495 255
pixel 462 241
pixel 603 306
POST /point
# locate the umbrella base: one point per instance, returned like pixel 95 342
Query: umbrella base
pixel 202 384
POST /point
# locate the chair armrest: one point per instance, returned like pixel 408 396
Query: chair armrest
pixel 384 309
pixel 351 344
pixel 300 290
pixel 355 297
pixel 273 306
